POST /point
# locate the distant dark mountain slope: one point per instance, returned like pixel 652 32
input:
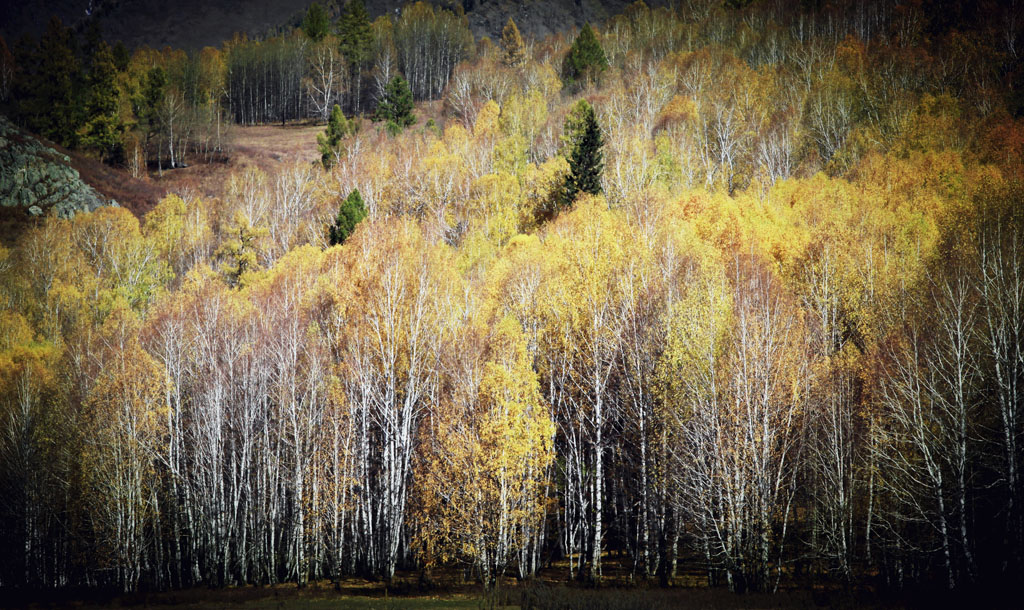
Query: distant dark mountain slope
pixel 539 18
pixel 193 24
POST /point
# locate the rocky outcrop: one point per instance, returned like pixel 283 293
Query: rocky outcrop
pixel 38 179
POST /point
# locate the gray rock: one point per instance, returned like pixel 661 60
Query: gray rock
pixel 39 178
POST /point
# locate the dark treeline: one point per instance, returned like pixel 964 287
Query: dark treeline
pixel 161 106
pixel 264 80
pixel 755 304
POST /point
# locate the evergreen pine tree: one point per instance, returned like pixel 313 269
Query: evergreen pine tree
pixel 396 106
pixel 92 38
pixel 317 23
pixel 7 69
pixel 354 40
pixel 512 45
pixel 103 128
pixel 586 59
pixel 350 213
pixel 122 57
pixel 153 91
pixel 46 87
pixel 329 142
pixel 584 142
pixel 147 102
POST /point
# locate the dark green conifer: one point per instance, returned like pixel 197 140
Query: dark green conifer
pixel 122 56
pixel 317 23
pixel 351 212
pixel 103 127
pixel 584 143
pixel 329 142
pixel 46 87
pixel 146 102
pixel 586 59
pixel 396 106
pixel 354 34
pixel 354 41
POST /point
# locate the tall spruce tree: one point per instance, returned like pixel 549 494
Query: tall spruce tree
pixel 7 69
pixel 396 106
pixel 47 84
pixel 147 102
pixel 586 59
pixel 317 23
pixel 122 56
pixel 329 142
pixel 103 127
pixel 351 212
pixel 355 39
pixel 584 142
pixel 512 45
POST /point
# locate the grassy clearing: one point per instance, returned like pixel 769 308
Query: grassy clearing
pixel 266 147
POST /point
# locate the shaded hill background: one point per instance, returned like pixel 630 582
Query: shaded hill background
pixel 193 24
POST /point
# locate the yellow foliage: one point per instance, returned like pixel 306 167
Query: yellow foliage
pixel 496 206
pixel 180 232
pixel 484 482
pixel 486 125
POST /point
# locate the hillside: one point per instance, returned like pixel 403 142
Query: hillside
pixel 194 24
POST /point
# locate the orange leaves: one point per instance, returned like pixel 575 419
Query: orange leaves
pixel 1004 143
pixel 935 125
pixel 130 387
pixel 675 113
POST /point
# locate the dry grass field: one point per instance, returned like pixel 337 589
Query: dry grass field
pixel 266 147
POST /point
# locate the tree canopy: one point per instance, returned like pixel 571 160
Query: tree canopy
pixel 317 23
pixel 351 212
pixel 585 60
pixel 746 311
pixel 584 144
pixel 512 45
pixel 395 106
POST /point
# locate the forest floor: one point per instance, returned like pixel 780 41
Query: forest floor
pixel 266 147
pixel 448 590
pixel 563 597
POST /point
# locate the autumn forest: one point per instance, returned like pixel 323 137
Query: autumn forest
pixel 731 288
